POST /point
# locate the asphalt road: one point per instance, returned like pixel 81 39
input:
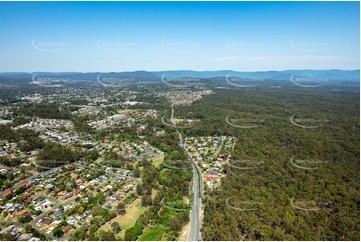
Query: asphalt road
pixel 195 212
pixel 201 189
pixel 171 117
pixel 194 233
pixel 17 185
pixel 42 232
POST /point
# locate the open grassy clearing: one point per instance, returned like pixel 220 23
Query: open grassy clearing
pixel 157 161
pixel 128 219
pixel 152 234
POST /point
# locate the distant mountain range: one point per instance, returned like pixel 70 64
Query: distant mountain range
pixel 334 74
pixel 353 75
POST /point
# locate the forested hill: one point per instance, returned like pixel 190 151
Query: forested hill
pixel 306 183
pixel 346 75
pixel 341 75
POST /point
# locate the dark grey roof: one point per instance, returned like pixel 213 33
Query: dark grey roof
pixel 58 213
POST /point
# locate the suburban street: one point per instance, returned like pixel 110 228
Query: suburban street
pixel 50 236
pixel 56 204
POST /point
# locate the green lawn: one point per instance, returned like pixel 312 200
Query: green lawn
pixel 156 162
pixel 128 220
pixel 152 234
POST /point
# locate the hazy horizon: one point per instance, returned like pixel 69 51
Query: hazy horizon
pixel 178 70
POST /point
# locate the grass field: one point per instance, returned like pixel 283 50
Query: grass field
pixel 156 162
pixel 128 220
pixel 152 234
pixel 177 120
pixel 154 192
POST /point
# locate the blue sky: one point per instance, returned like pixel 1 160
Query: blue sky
pixel 153 36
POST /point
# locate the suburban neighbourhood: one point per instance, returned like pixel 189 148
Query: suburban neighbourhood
pixel 45 199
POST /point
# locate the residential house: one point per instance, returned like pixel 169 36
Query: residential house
pixel 212 172
pixel 94 182
pixel 25 236
pixel 79 181
pixel 29 190
pixel 46 221
pixel 21 212
pixel 45 204
pixel 104 189
pixel 82 187
pixel 52 226
pixel 7 206
pixel 68 195
pixel 49 186
pixel 66 228
pixel 58 213
pixel 61 193
pixel 211 178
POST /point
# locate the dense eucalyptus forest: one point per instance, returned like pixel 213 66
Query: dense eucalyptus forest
pixel 293 173
pixel 305 185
